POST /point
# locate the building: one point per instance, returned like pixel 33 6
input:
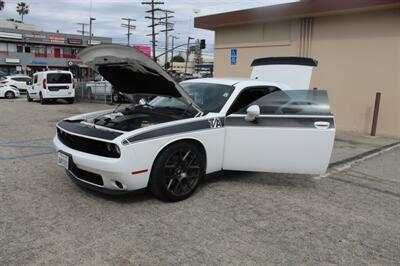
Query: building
pixel 29 51
pixel 357 44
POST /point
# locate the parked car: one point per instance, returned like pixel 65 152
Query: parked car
pixel 195 127
pixel 51 86
pixel 18 81
pixel 9 92
pixel 100 88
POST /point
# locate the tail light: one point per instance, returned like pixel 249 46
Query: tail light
pixel 44 84
pixel 73 83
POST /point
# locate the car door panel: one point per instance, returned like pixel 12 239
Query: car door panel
pixel 290 136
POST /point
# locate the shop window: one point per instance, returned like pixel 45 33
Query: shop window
pixel 20 49
pixel 27 49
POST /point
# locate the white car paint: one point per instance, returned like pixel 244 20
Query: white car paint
pixel 283 143
pixel 41 87
pixel 17 81
pixel 5 88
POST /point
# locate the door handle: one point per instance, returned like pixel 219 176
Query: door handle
pixel 322 124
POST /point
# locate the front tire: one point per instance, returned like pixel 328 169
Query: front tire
pixel 28 98
pixel 177 172
pixel 10 95
pixel 70 101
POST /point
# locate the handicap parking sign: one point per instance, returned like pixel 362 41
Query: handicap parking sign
pixel 233 56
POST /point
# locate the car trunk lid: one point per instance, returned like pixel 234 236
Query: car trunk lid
pixel 295 72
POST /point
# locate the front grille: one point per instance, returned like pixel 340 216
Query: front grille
pixel 85 175
pixel 86 145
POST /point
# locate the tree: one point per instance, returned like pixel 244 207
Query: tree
pixel 22 9
pixel 1 4
pixel 178 58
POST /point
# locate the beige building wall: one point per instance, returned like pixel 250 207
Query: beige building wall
pixel 359 55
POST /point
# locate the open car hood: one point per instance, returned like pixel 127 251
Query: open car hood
pixel 132 72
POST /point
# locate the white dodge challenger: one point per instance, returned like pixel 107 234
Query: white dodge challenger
pixel 271 122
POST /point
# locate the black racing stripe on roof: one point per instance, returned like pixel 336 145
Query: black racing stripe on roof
pixel 302 61
pixel 77 128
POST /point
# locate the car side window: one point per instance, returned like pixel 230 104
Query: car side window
pixel 248 96
pixel 35 78
pixel 294 102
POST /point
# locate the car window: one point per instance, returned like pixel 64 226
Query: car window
pixel 57 78
pixel 294 102
pixel 208 96
pixel 248 96
pixel 17 79
pixel 35 78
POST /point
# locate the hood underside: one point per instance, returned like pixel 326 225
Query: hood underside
pixel 132 72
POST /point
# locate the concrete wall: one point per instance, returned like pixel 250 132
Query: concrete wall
pixel 359 54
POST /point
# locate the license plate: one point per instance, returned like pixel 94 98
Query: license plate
pixel 63 160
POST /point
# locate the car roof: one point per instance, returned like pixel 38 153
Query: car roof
pixel 18 75
pixel 53 71
pixel 232 82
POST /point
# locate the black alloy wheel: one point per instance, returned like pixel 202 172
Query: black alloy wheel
pixel 177 172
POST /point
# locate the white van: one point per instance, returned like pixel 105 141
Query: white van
pixel 52 85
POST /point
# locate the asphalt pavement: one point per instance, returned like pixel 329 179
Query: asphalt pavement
pixel 348 217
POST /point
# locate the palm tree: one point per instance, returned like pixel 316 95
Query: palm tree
pixel 1 4
pixel 22 9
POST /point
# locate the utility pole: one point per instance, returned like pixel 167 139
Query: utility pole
pixel 83 25
pixel 90 31
pixel 168 27
pixel 153 34
pixel 130 27
pixel 187 53
pixel 172 51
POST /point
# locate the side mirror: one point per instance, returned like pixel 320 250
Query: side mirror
pixel 252 113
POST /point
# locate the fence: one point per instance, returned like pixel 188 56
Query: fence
pixel 99 92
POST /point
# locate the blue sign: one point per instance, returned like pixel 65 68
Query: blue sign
pixel 234 56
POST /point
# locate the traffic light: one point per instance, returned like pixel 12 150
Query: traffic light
pixel 202 44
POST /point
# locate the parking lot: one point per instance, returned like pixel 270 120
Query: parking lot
pixel 350 216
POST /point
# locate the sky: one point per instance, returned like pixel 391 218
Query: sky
pixel 63 15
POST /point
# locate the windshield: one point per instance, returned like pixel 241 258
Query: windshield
pixel 209 97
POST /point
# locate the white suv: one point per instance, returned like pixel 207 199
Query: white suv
pixel 52 85
pixel 17 81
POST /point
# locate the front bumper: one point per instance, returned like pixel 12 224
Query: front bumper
pixel 115 173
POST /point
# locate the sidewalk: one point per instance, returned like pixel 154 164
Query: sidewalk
pixel 349 145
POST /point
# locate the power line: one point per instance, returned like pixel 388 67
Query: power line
pixel 152 11
pixel 129 27
pixel 168 27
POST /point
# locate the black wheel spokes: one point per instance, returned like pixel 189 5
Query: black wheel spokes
pixel 181 172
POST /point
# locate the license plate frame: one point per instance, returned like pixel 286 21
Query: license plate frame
pixel 63 160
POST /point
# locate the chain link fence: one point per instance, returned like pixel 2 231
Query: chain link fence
pixel 87 92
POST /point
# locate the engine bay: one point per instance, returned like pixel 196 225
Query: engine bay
pixel 128 119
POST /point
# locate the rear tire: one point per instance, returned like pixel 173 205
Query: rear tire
pixel 10 95
pixel 115 97
pixel 71 101
pixel 177 171
pixel 42 101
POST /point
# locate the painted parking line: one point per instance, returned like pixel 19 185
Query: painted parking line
pixel 19 146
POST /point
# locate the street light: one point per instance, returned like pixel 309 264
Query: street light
pixel 90 30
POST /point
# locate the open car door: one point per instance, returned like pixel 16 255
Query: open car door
pixel 293 133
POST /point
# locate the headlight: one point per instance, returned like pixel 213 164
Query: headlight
pixel 113 148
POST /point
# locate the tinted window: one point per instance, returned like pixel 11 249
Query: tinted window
pixel 35 79
pixel 21 79
pixel 296 102
pixel 209 97
pixel 56 78
pixel 249 95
